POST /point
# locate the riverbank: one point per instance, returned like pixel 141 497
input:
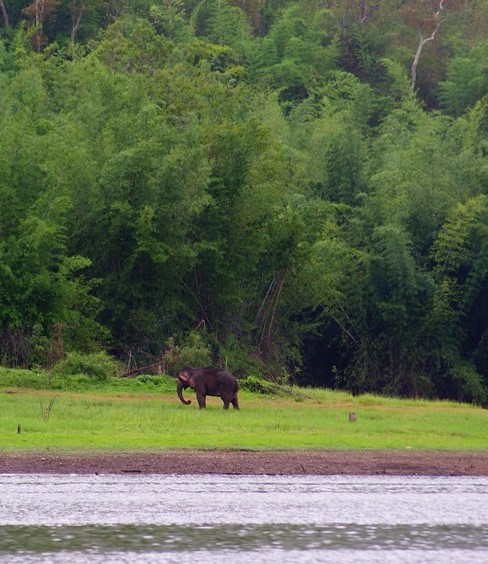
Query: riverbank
pixel 317 462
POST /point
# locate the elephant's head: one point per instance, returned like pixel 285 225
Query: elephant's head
pixel 184 381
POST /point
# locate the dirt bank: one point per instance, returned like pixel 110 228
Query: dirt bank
pixel 324 462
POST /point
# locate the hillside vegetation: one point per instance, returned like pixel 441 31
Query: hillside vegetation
pixel 296 189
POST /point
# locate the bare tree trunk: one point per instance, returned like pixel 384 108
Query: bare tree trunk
pixel 4 14
pixel 423 40
pixel 39 18
pixel 364 11
pixel 345 13
pixel 76 19
pixel 267 313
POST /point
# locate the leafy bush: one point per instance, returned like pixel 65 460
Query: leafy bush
pixel 150 379
pixel 257 385
pixel 192 351
pixel 469 384
pixel 98 365
pixel 24 378
pixel 239 357
pixel 162 383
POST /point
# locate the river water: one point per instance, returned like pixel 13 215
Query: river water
pixel 242 519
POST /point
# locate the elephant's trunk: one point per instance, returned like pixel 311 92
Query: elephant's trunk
pixel 179 391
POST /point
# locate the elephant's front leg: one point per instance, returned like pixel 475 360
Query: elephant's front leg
pixel 202 400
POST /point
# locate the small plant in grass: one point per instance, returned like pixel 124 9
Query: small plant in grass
pixel 98 365
pixel 46 410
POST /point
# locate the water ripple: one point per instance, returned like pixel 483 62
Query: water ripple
pixel 80 519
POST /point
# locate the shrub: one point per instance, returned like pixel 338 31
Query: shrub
pixel 469 384
pixel 98 365
pixel 238 356
pixel 257 385
pixel 192 351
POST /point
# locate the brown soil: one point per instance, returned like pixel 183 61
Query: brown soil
pixel 323 462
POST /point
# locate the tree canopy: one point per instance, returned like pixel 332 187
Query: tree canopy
pixel 300 187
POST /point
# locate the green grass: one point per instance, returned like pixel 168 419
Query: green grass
pixel 144 413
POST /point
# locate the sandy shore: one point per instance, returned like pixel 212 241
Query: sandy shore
pixel 324 462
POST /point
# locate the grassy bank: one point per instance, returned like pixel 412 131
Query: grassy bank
pixel 144 413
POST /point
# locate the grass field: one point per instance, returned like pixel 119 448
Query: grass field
pixel 144 413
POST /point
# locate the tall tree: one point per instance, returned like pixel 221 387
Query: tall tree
pixel 427 31
pixel 39 11
pixel 78 9
pixel 3 10
pixel 467 80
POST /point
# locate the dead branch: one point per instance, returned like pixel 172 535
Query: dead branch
pixel 76 19
pixel 135 371
pixel 275 388
pixel 423 40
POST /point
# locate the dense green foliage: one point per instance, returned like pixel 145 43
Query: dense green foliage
pixel 284 187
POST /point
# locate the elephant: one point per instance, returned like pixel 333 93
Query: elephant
pixel 208 381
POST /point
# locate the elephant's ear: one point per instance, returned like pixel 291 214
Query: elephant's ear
pixel 183 375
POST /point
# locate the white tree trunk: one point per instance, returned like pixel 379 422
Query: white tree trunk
pixel 423 40
pixel 76 19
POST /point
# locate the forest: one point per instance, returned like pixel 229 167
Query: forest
pixel 296 189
